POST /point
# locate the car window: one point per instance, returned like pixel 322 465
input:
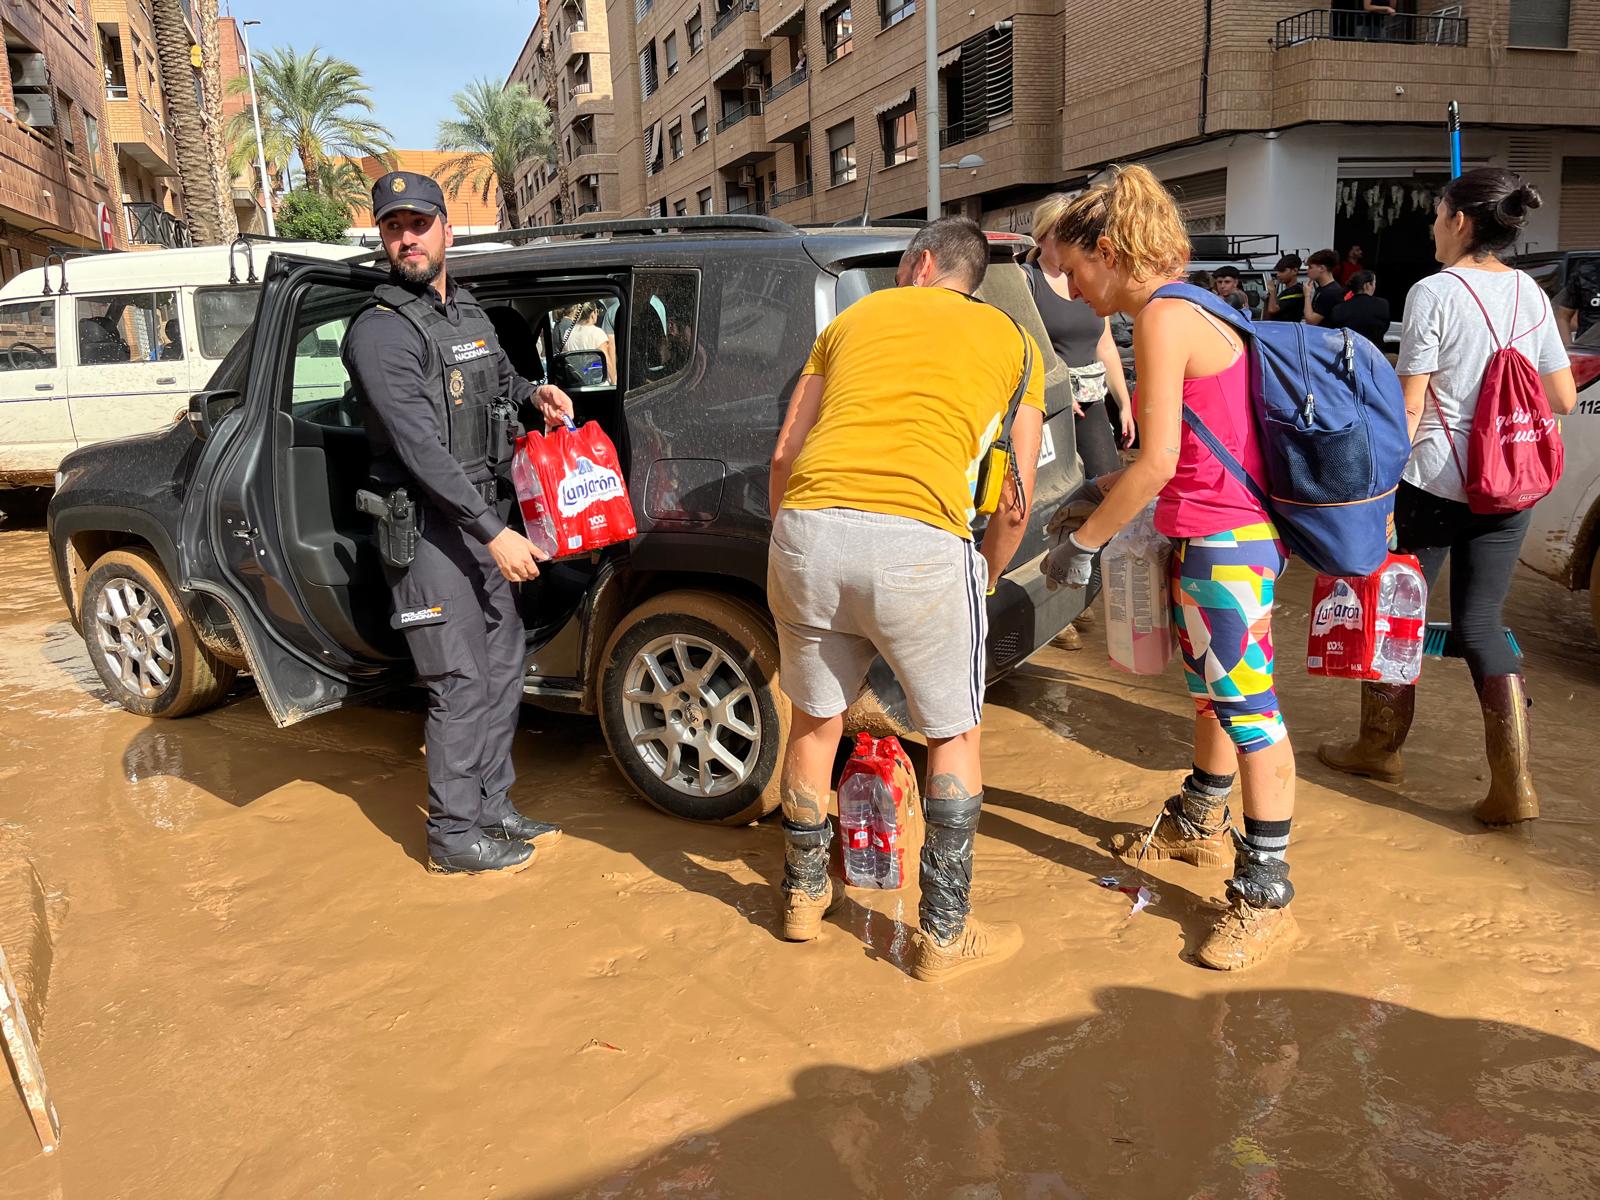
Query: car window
pixel 664 326
pixel 1547 275
pixel 131 327
pixel 319 384
pixel 223 314
pixel 583 352
pixel 28 335
pixel 753 317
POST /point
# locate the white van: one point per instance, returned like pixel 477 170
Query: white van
pixel 108 345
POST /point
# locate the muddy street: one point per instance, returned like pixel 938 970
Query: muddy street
pixel 255 990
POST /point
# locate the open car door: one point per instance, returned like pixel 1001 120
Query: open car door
pixel 270 529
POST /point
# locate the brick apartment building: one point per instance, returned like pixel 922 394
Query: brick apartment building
pixel 574 81
pixel 1322 127
pixel 58 155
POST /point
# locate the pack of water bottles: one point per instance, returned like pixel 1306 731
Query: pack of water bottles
pixel 877 808
pixel 1370 627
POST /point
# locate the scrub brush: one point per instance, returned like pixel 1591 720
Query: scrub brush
pixel 1439 642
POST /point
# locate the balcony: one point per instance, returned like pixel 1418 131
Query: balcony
pixel 585 210
pixel 790 195
pixel 151 225
pixel 138 134
pixel 784 86
pixel 752 109
pixel 735 10
pixel 1414 29
pixel 754 208
pixel 116 91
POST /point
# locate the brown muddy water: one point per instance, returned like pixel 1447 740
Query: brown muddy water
pixel 259 992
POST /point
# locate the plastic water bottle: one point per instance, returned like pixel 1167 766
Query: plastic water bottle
pixel 886 834
pixel 1401 617
pixel 861 797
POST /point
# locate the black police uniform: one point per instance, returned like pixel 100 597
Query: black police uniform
pixel 429 373
pixel 1582 294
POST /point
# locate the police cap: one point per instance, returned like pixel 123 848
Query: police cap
pixel 408 190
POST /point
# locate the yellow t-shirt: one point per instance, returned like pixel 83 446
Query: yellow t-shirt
pixel 917 383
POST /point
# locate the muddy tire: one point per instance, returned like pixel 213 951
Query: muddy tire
pixel 690 706
pixel 142 643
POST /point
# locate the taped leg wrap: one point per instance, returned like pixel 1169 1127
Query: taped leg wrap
pixel 1260 880
pixel 947 865
pixel 805 858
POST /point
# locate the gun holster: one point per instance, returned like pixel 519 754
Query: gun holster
pixel 397 528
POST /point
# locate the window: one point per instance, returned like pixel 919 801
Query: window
pixel 640 8
pixel 69 137
pixel 702 127
pixel 652 149
pixel 838 32
pixel 670 49
pixel 695 30
pixel 704 201
pixel 319 385
pixel 899 129
pixel 895 11
pixel 842 153
pixel 135 327
pixel 224 313
pixel 675 136
pixel 977 87
pixel 91 139
pixel 680 208
pixel 28 335
pixel 1540 23
pixel 664 316
pixel 647 71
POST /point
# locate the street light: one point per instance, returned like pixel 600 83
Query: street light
pixel 255 113
pixel 967 162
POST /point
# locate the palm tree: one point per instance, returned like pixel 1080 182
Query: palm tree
pixel 499 129
pixel 312 105
pixel 210 221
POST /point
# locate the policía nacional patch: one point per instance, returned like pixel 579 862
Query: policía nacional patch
pixel 411 618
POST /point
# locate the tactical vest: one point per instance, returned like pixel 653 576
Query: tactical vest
pixel 463 357
pixel 1586 298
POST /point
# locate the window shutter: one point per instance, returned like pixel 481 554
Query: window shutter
pixel 647 70
pixel 1580 202
pixel 1202 200
pixel 1541 23
pixel 841 135
pixel 997 71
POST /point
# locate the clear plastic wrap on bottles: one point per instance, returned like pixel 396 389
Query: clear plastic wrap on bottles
pixel 1134 571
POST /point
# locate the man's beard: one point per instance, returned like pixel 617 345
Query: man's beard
pixel 419 276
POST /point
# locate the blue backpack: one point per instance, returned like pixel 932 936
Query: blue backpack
pixel 1332 422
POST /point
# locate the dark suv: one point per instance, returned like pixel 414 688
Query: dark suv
pixel 232 541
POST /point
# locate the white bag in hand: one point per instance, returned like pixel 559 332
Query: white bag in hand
pixel 1134 570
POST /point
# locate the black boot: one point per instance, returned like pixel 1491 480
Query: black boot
pixel 514 827
pixel 483 856
pixel 1258 914
pixel 807 894
pixel 950 942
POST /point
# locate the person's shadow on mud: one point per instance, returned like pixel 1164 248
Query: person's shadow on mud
pixel 1253 1093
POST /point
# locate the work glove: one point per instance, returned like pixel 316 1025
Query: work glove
pixel 1069 565
pixel 1074 511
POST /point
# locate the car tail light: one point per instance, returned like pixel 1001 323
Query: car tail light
pixel 1585 369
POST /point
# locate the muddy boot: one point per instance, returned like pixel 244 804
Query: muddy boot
pixel 1511 796
pixel 950 943
pixel 1258 916
pixel 1068 639
pixel 1387 710
pixel 807 892
pixel 1192 827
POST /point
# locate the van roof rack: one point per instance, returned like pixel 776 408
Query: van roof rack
pixel 1235 245
pixel 713 223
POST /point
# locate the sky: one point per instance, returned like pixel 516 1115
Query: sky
pixel 414 54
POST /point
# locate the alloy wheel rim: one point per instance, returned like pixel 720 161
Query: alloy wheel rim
pixel 692 715
pixel 135 636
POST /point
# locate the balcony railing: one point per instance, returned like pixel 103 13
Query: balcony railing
pixel 581 89
pixel 585 209
pixel 790 195
pixel 116 91
pixel 151 225
pixel 579 149
pixel 735 10
pixel 754 208
pixel 751 109
pixel 785 86
pixel 952 135
pixel 1340 25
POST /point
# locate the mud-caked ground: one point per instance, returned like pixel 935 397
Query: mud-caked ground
pixel 257 991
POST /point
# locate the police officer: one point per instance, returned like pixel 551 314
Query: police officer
pixel 437 390
pixel 1578 302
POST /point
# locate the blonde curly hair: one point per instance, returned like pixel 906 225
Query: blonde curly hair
pixel 1137 216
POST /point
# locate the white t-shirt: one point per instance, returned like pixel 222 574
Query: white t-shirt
pixel 585 337
pixel 1446 336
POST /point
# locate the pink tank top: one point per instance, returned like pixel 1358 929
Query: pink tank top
pixel 1202 498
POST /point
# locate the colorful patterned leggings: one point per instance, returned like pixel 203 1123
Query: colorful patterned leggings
pixel 1222 588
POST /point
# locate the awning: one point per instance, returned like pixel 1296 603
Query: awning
pixel 949 58
pixel 697 106
pixel 652 148
pixel 902 98
pixel 794 14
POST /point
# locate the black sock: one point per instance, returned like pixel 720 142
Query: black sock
pixel 1267 837
pixel 1212 783
pixel 1205 796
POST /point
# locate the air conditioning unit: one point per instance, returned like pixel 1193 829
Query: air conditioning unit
pixel 747 177
pixel 35 110
pixel 752 76
pixel 27 69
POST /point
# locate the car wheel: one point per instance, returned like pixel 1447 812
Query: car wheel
pixel 142 643
pixel 1594 593
pixel 690 706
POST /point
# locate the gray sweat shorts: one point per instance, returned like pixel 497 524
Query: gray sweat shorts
pixel 846 586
